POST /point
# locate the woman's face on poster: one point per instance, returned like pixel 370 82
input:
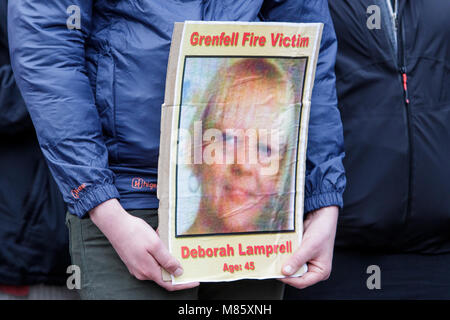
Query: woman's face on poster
pixel 237 192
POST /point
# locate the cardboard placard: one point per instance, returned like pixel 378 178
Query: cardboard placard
pixel 234 131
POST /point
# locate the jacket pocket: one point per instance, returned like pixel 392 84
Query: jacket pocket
pixel 104 93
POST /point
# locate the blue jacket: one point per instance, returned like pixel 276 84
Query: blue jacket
pixel 95 93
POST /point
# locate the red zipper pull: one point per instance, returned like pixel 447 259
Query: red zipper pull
pixel 405 86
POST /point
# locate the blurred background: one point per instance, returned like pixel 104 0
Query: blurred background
pixel 34 252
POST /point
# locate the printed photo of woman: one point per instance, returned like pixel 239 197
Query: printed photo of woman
pixel 242 174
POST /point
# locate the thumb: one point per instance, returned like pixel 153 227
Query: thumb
pixel 167 261
pixel 300 257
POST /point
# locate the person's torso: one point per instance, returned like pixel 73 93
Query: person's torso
pixel 33 235
pixel 127 55
pixel 397 143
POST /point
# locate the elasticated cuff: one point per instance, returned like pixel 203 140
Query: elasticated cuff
pixel 321 200
pixel 92 198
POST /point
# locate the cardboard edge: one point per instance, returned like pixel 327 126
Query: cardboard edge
pixel 165 140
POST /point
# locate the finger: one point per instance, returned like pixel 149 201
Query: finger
pixel 308 279
pixel 175 287
pixel 154 274
pixel 171 287
pixel 148 269
pixel 165 259
pixel 301 256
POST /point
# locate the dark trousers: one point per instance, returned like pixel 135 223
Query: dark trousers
pixel 401 276
pixel 105 276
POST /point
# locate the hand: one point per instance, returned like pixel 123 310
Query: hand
pixel 316 249
pixel 137 244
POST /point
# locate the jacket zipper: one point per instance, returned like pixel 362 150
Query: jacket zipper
pixel 404 79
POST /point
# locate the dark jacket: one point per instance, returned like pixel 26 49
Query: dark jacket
pixel 33 237
pixel 95 94
pixel 395 105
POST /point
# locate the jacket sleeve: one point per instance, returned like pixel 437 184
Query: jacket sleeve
pixel 48 60
pixel 325 176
